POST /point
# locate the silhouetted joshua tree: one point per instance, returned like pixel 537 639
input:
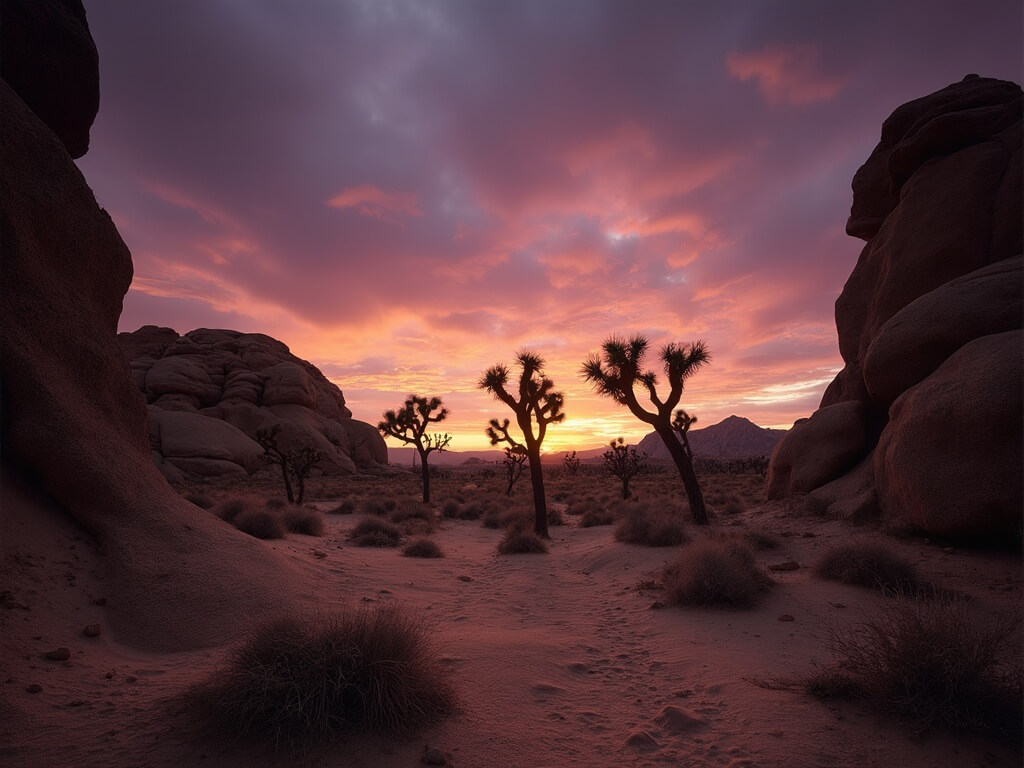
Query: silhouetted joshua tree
pixel 296 463
pixel 514 460
pixel 537 406
pixel 624 462
pixel 681 423
pixel 618 372
pixel 572 463
pixel 409 424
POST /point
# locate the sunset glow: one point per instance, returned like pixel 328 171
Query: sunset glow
pixel 406 193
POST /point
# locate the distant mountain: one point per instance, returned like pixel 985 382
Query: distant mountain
pixel 731 438
pixel 404 457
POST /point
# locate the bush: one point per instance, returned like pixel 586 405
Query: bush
pixel 422 548
pixel 303 520
pixel 373 532
pixel 759 541
pixel 275 504
pixel 932 663
pixel 232 508
pixel 584 505
pixel 451 509
pixel 867 565
pixel 652 529
pixel 597 515
pixel 346 507
pixel 261 524
pixel 411 510
pixel 375 508
pixel 715 572
pixel 200 500
pixel 521 541
pixel 296 681
pixel 521 518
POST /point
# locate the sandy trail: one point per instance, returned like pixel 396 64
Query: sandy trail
pixel 558 659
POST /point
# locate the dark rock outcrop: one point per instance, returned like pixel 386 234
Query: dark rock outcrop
pixel 48 58
pixel 74 439
pixel 939 204
pixel 209 391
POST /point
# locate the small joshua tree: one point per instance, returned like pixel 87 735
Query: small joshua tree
pixel 624 462
pixel 617 373
pixel 572 463
pixel 513 462
pixel 295 463
pixel 410 423
pixel 537 406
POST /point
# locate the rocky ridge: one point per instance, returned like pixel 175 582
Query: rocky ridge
pixel 209 391
pixel 923 424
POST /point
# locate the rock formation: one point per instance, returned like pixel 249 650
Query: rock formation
pixel 73 424
pixel 924 421
pixel 209 391
pixel 732 438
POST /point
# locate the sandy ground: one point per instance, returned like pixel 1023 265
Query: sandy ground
pixel 558 659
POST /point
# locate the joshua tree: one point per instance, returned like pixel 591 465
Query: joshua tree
pixel 681 423
pixel 572 463
pixel 624 462
pixel 409 424
pixel 295 463
pixel 513 461
pixel 537 406
pixel 618 372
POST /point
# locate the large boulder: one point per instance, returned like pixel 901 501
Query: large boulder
pixel 950 460
pixel 243 382
pixel 939 203
pixel 73 430
pixel 48 57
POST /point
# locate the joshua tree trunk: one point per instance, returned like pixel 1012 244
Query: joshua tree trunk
pixel 540 505
pixel 684 464
pixel 287 480
pixel 425 475
pixel 625 489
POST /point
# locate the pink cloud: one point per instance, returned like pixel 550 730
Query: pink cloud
pixel 370 200
pixel 785 75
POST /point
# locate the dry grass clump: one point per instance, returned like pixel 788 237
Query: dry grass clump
pixel 261 523
pixel 303 520
pixel 865 564
pixel 297 681
pixel 715 572
pixel 422 548
pixel 201 500
pixel 584 505
pixel 519 541
pixel 932 663
pixel 345 507
pixel 659 528
pixel 374 532
pixel 275 504
pixel 597 515
pixel 453 509
pixel 374 507
pixel 411 510
pixel 230 509
pixel 760 541
pixel 506 518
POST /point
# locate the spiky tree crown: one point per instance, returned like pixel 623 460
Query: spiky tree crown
pixel 410 423
pixel 537 403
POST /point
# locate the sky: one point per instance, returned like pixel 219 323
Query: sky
pixel 407 193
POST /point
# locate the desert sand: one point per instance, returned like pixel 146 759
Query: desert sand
pixel 558 659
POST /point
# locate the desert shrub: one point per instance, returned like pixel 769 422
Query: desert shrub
pixel 411 510
pixel 932 663
pixel 346 507
pixel 519 540
pixel 760 541
pixel 303 520
pixel 232 508
pixel 505 518
pixel 422 548
pixel 583 505
pixel 375 508
pixel 261 523
pixel 390 505
pixel 652 529
pixel 715 572
pixel 296 681
pixel 374 532
pixel 275 504
pixel 597 515
pixel 451 509
pixel 554 517
pixel 201 500
pixel 867 565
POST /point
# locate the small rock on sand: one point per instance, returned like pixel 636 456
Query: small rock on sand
pixel 789 565
pixel 642 741
pixel 787 617
pixel 34 688
pixel 677 720
pixel 92 630
pixel 432 756
pixel 59 654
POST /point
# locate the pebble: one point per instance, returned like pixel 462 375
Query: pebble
pixel 787 617
pixel 92 630
pixel 789 565
pixel 34 688
pixel 59 654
